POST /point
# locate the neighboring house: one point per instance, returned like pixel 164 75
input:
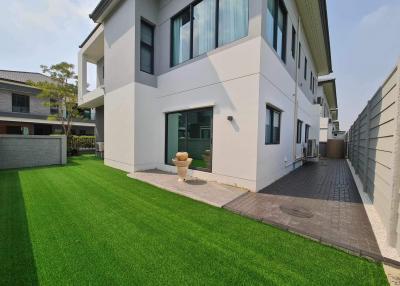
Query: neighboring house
pixel 23 112
pixel 233 82
pixel 329 124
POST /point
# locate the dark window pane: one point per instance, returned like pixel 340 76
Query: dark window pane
pixel 147 48
pixel 293 42
pixel 147 34
pixel 272 126
pixel 281 34
pixel 190 131
pixel 204 27
pixel 146 59
pixel 20 103
pixel 299 130
pixel 305 68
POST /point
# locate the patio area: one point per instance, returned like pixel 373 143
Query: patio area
pixel 211 193
pixel 319 200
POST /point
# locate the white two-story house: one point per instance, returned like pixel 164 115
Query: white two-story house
pixel 232 82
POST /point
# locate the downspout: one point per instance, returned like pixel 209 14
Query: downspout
pixel 295 111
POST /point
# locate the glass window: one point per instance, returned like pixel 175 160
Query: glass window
pixel 311 80
pixel 305 68
pixel 276 26
pixel 293 42
pixel 204 27
pixel 20 103
pixel 307 133
pixel 147 47
pixel 195 34
pixel 271 21
pixel 190 131
pixel 233 20
pixel 181 37
pixel 299 130
pixel 272 126
pixel 299 62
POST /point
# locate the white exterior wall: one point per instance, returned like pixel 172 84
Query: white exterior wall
pixel 119 103
pixel 237 80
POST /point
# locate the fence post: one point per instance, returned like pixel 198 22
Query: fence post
pixel 366 159
pixel 395 199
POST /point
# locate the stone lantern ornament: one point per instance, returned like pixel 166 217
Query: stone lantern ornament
pixel 182 163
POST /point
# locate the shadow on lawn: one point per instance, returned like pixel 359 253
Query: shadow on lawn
pixel 16 255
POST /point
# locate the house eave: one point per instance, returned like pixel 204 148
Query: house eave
pixel 102 10
pixel 314 19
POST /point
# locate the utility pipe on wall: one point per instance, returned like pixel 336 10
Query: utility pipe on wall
pixel 295 111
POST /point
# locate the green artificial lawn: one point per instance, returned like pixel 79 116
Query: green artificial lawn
pixel 86 223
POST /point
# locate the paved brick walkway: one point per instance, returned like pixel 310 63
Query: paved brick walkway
pixel 319 200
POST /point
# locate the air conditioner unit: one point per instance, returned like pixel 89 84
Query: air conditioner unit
pixel 312 148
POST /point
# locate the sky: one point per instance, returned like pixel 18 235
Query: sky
pixel 365 42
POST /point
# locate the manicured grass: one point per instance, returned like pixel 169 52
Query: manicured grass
pixel 89 224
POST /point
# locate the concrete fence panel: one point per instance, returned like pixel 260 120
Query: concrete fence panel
pixel 374 152
pixel 19 151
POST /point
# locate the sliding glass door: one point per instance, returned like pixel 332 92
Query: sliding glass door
pixel 190 131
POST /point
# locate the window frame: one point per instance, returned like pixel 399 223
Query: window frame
pixel 299 62
pixel 293 49
pixel 307 133
pixel 279 112
pixel 186 111
pixel 147 23
pixel 311 80
pixel 279 4
pixel 305 68
pixel 27 100
pixel 299 131
pixel 191 6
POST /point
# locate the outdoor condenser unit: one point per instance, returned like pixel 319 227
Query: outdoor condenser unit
pixel 312 149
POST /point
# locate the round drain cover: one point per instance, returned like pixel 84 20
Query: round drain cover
pixel 297 211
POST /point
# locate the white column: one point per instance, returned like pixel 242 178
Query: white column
pixel 82 76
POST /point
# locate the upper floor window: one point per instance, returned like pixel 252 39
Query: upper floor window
pixel 20 103
pixel 299 131
pixel 311 80
pixel 305 68
pixel 195 30
pixel 146 47
pixel 276 26
pixel 272 126
pixel 293 42
pixel 233 20
pixel 299 62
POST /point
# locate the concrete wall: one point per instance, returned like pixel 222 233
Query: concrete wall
pixel 374 151
pixel 17 151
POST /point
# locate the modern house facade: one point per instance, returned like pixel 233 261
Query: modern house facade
pixel 23 112
pixel 232 82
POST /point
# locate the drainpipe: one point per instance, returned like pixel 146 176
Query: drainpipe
pixel 295 111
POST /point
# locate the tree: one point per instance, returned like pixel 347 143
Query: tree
pixel 61 93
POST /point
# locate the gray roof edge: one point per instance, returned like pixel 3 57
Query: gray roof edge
pixel 100 9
